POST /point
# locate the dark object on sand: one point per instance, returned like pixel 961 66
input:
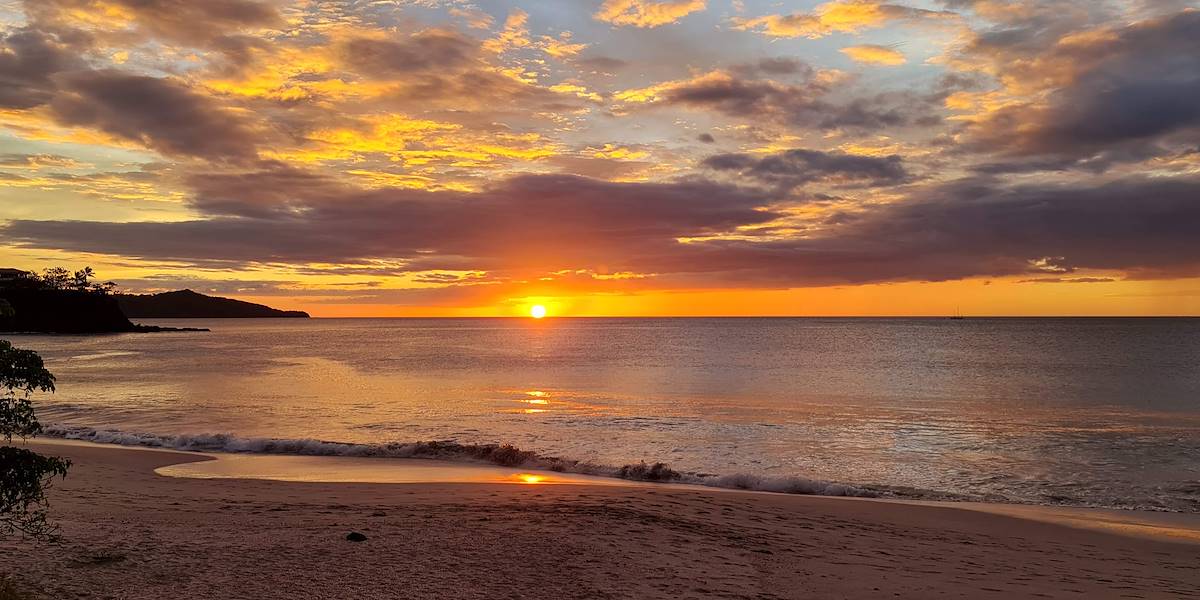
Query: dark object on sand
pixel 355 536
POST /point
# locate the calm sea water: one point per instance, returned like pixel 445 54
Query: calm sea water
pixel 1078 411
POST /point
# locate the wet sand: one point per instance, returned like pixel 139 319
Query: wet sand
pixel 130 532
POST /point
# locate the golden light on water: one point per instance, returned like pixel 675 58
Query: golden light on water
pixel 537 311
pixel 536 398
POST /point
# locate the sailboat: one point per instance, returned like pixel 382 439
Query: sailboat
pixel 957 316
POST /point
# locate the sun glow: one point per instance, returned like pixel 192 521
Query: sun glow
pixel 537 311
pixel 529 478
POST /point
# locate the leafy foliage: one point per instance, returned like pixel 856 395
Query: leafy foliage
pixel 57 278
pixel 24 475
pixel 22 372
pixel 61 278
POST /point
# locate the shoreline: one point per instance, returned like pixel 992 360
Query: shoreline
pixel 1147 524
pixel 129 532
pixel 461 456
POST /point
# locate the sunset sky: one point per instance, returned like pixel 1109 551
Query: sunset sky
pixel 611 157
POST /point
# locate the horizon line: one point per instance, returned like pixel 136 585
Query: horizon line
pixel 550 318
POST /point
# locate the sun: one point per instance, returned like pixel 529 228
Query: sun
pixel 537 311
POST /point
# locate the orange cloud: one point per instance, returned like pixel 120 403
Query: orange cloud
pixel 875 55
pixel 562 46
pixel 514 35
pixel 647 13
pixel 839 16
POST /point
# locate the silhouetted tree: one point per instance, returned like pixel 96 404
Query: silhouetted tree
pixel 57 278
pixel 82 279
pixel 24 475
pixel 61 278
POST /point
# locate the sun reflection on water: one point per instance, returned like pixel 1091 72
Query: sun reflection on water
pixel 538 401
pixel 537 398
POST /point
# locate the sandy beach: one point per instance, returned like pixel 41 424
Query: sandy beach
pixel 130 533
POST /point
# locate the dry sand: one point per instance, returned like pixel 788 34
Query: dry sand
pixel 131 533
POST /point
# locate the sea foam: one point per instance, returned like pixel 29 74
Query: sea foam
pixel 497 454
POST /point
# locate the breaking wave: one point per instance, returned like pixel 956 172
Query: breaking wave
pixel 498 454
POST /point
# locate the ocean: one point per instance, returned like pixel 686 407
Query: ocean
pixel 1089 412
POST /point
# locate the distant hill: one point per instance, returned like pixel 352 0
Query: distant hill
pixel 186 304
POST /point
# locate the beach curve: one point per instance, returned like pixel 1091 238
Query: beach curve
pixel 129 532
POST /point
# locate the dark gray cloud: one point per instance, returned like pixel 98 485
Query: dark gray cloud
pixel 1144 227
pixel 803 104
pixel 431 50
pixel 447 70
pixel 547 222
pixel 28 61
pixel 163 114
pixel 793 168
pixel 598 167
pixel 274 189
pixel 775 66
pixel 1124 96
pixel 538 224
pixel 184 21
pixel 603 64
